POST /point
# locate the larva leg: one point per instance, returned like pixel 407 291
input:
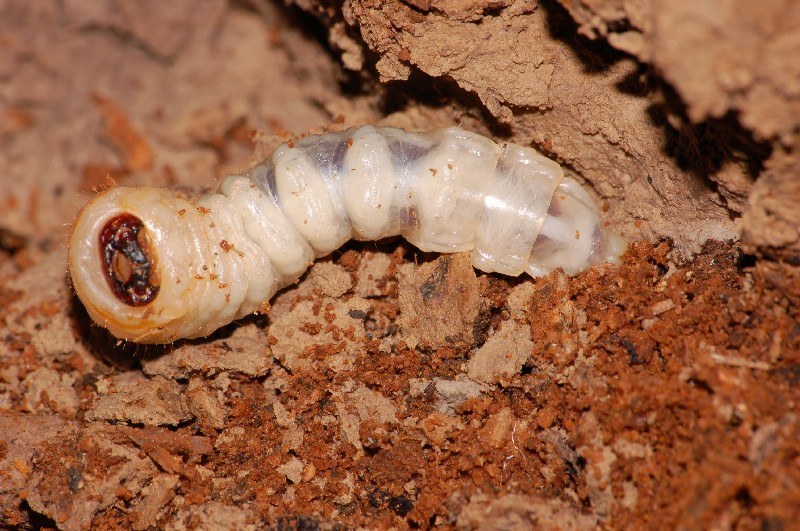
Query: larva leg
pixel 154 268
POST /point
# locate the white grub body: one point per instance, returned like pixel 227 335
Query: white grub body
pixel 447 190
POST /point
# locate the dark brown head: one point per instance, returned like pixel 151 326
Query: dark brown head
pixel 129 260
pixel 133 259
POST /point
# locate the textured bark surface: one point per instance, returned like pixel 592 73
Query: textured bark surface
pixel 771 223
pixel 720 56
pixel 672 138
pixel 725 60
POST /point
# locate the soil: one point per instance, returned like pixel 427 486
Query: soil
pixel 391 388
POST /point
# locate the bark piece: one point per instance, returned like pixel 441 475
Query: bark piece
pixel 245 355
pixel 49 390
pixel 441 304
pixel 449 394
pixel 503 354
pixel 153 402
pixel 328 329
pixel 212 515
pixel 519 511
pixel 64 490
pixel 155 497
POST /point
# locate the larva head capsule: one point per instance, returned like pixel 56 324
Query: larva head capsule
pixel 132 253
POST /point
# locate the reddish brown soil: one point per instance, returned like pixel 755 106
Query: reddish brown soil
pixel 612 417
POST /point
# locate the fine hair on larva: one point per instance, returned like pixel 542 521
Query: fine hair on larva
pixel 153 268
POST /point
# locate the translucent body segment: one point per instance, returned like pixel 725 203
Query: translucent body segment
pixel 368 185
pixel 446 188
pixel 214 270
pixel 405 148
pixel 304 198
pixel 571 233
pixel 514 208
pixel 267 225
pixel 576 191
pixel 181 237
pixel 326 152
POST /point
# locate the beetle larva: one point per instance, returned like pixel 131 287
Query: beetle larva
pixel 153 268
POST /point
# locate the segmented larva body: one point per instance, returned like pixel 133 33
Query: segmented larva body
pixel 153 268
